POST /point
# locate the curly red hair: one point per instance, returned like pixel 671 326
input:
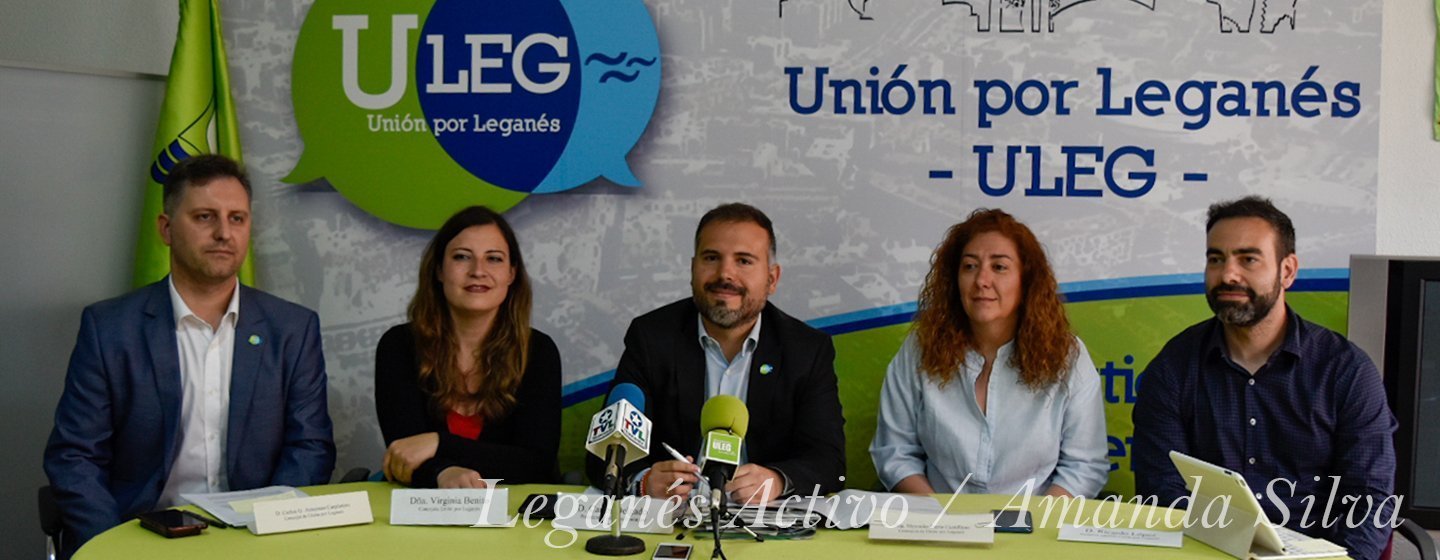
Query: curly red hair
pixel 1044 346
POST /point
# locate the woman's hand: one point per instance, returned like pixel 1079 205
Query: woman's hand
pixel 459 477
pixel 407 454
pixel 914 484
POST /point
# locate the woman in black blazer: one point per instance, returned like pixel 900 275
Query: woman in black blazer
pixel 467 391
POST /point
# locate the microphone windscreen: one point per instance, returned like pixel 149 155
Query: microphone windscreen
pixel 629 392
pixel 726 413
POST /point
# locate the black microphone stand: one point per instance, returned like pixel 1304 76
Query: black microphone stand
pixel 717 511
pixel 614 544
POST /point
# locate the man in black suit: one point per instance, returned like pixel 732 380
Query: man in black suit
pixel 726 339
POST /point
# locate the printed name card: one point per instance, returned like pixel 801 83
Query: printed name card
pixel 1117 535
pixel 473 507
pixel 975 528
pixel 316 512
pixel 248 506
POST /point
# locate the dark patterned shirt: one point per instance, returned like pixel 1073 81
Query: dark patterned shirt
pixel 1314 415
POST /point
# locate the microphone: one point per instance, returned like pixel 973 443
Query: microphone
pixel 724 420
pixel 619 433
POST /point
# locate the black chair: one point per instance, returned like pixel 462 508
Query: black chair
pixel 50 522
pixel 1413 532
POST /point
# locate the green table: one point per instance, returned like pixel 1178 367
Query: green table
pixel 381 540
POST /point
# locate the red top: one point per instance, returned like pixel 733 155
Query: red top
pixel 468 427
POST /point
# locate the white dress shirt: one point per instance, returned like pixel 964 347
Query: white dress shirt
pixel 205 357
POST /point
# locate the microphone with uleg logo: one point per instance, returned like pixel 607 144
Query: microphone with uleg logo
pixel 619 433
pixel 724 421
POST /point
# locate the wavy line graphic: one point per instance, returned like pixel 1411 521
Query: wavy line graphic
pixel 619 76
pixel 612 61
pixel 640 61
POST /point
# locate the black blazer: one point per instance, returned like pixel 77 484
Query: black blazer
pixel 520 448
pixel 796 425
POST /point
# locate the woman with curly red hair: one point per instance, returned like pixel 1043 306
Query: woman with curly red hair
pixel 991 392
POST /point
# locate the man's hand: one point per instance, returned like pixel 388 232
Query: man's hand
pixel 459 477
pixel 754 484
pixel 407 454
pixel 665 473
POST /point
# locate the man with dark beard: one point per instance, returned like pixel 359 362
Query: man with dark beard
pixel 1295 408
pixel 727 340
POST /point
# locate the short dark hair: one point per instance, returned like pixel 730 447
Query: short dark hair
pixel 198 171
pixel 1255 206
pixel 737 212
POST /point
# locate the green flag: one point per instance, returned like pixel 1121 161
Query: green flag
pixel 198 117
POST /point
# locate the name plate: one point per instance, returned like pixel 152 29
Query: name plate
pixel 316 512
pixel 473 507
pixel 639 514
pixel 1115 535
pixel 974 528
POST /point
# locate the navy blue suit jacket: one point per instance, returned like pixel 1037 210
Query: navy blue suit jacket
pixel 118 420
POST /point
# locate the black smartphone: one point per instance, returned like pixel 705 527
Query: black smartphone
pixel 173 523
pixel 538 506
pixel 1012 521
pixel 672 551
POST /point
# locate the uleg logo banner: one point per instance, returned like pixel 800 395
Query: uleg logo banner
pixel 414 109
pixel 864 129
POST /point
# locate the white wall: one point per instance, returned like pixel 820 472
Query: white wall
pixel 81 83
pixel 130 37
pixel 72 153
pixel 1408 208
pixel 72 150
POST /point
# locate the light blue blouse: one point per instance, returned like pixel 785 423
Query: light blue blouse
pixel 1053 436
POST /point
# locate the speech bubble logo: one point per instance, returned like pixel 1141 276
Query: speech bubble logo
pixel 361 120
pixel 412 109
pixel 620 83
pixel 504 86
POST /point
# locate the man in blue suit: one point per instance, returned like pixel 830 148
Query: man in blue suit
pixel 191 384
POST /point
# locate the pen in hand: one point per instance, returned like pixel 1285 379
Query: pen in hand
pixel 678 457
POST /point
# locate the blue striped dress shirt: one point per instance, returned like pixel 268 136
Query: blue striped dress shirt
pixel 1024 440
